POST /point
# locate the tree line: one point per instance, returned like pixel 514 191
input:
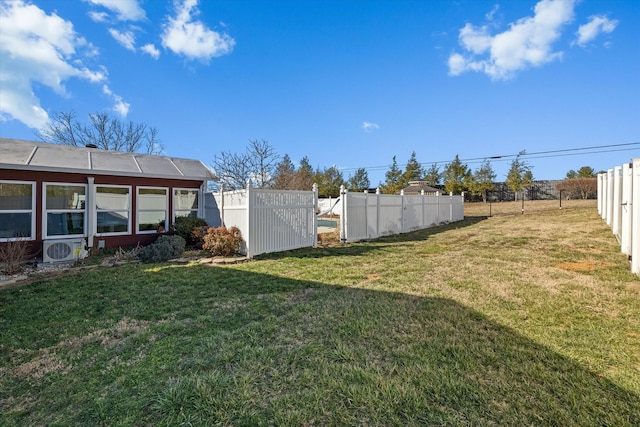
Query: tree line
pixel 261 166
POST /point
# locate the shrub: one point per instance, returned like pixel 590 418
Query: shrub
pixel 13 254
pixel 221 241
pixel 165 248
pixel 128 254
pixel 185 226
pixel 198 234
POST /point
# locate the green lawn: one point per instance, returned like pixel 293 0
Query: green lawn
pixel 513 320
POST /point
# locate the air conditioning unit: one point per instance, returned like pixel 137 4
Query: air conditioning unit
pixel 63 250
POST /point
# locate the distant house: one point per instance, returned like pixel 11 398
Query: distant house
pixel 417 187
pixel 57 196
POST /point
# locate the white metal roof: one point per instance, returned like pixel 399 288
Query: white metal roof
pixel 30 155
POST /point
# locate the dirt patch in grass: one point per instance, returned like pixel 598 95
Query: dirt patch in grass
pixel 44 363
pixel 587 265
pixel 47 361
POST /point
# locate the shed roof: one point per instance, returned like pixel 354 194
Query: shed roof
pixel 30 155
pixel 416 187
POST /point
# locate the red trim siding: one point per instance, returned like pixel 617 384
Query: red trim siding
pixel 110 241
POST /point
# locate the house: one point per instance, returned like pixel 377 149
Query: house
pixel 62 197
pixel 417 187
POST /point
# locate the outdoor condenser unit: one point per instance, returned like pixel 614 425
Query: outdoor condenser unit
pixel 62 250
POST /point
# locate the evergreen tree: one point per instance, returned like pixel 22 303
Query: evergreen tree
pixel 285 174
pixel 359 181
pixel 519 175
pixel 329 181
pixel 304 176
pixel 456 175
pixel 482 180
pixel 433 175
pixel 412 172
pixel 583 172
pixel 392 183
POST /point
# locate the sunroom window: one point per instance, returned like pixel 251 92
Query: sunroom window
pixel 113 207
pixel 152 205
pixel 185 203
pixel 65 210
pixel 17 218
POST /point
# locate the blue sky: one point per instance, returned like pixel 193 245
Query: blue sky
pixel 345 83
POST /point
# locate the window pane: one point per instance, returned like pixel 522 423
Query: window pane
pixel 15 225
pixel 186 199
pixel 61 224
pixel 15 196
pixel 65 197
pixel 150 198
pixel 112 198
pixel 113 222
pixel 150 220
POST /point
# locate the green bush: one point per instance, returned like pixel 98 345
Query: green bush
pixel 221 241
pixel 184 227
pixel 165 248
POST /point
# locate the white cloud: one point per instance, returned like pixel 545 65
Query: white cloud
pixel 492 13
pixel 125 38
pixel 592 29
pixel 151 50
pixel 37 49
pixel 126 10
pixel 527 43
pixel 119 105
pixel 185 36
pixel 370 127
pixel 98 16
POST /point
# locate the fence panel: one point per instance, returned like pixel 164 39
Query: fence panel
pixel 232 206
pixel 368 216
pixel 354 223
pixel 269 220
pixel 635 213
pixel 281 220
pixel 390 215
pixel 610 188
pixel 412 216
pixel 456 212
pixel 625 208
pixel 616 218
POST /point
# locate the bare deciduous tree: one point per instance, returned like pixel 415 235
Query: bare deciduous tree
pixel 256 165
pixel 578 188
pixel 103 131
pixel 263 160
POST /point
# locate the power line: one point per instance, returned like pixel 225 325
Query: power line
pixel 534 155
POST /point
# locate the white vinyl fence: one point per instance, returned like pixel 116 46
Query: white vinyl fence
pixel 619 207
pixel 368 216
pixel 269 220
pixel 281 220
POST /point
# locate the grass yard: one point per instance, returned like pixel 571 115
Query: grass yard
pixel 513 320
